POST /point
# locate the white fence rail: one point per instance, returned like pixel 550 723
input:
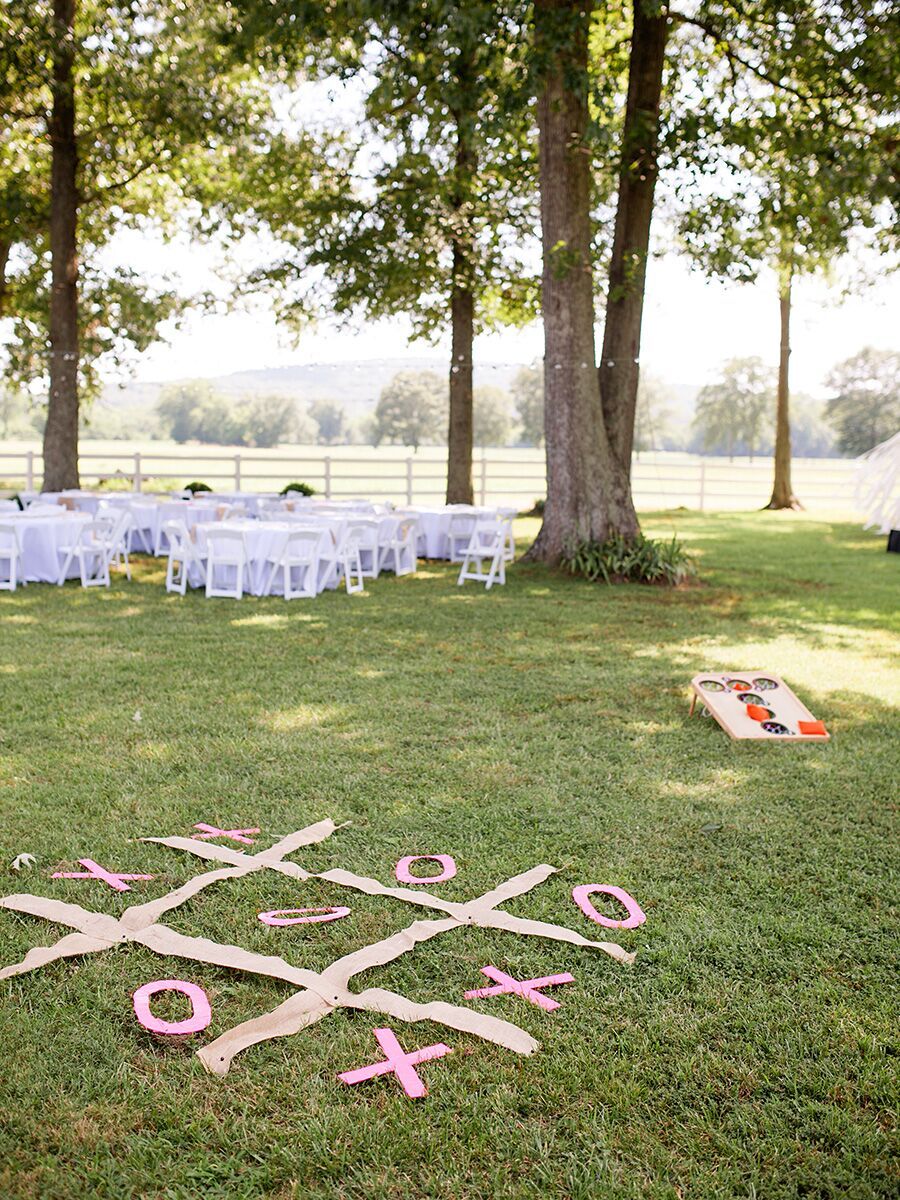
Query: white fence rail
pixel 660 480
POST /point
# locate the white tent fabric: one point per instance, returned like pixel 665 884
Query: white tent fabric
pixel 878 485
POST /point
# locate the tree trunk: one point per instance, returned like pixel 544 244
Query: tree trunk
pixel 61 430
pixel 462 300
pixel 627 272
pixel 782 491
pixel 588 495
pixel 5 248
pixel 459 437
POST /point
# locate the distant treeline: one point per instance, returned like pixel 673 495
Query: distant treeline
pixel 733 415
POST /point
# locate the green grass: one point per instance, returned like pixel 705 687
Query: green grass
pixel 748 1052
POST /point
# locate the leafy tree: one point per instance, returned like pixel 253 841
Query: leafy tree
pixel 331 422
pixel 264 421
pixel 865 408
pixel 528 398
pixel 798 163
pixel 192 411
pixel 411 409
pixel 492 419
pixel 588 487
pixel 651 423
pixel 112 111
pixel 734 413
pixel 439 230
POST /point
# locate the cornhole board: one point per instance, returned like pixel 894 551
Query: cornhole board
pixel 756 704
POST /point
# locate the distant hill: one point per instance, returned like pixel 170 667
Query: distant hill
pixel 354 385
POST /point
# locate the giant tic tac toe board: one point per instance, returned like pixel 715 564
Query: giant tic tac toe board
pixel 756 704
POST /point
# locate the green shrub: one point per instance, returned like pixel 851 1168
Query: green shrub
pixel 197 487
pixel 618 560
pixel 303 488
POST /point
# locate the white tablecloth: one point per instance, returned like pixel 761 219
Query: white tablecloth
pixel 434 525
pixel 42 540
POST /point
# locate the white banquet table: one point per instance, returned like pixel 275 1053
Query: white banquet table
pixel 434 525
pixel 42 539
pixel 264 541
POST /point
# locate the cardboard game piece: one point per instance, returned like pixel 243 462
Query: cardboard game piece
pixel 398 1062
pixel 318 993
pixel 636 915
pixel 756 705
pixel 113 879
pixel 528 989
pixel 201 1013
pixel 213 831
pixel 293 916
pixel 448 868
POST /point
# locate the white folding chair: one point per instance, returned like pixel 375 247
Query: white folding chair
pixel 10 558
pixel 366 534
pixel 459 533
pixel 118 523
pixel 183 554
pixel 509 548
pixel 403 545
pixel 93 548
pixel 299 552
pixel 226 551
pixel 347 559
pixel 235 512
pixel 486 545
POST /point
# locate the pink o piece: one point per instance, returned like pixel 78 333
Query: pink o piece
pixel 286 916
pixel 201 1013
pixel 636 915
pixel 401 871
pixel 398 1062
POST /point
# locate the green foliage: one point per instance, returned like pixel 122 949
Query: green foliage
pixel 734 414
pixel 865 409
pixel 331 422
pixel 302 489
pixel 193 412
pixel 411 409
pixel 618 560
pixel 491 417
pixel 652 415
pixel 196 487
pixel 528 398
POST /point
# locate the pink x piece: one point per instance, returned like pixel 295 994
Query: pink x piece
pixel 636 915
pixel 401 871
pixel 236 835
pixel 95 871
pixel 398 1063
pixel 528 989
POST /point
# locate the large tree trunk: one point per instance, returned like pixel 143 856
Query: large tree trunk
pixel 588 495
pixel 782 490
pixel 462 300
pixel 627 273
pixel 61 430
pixel 459 437
pixel 5 248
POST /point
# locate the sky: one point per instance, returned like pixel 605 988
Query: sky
pixel 691 324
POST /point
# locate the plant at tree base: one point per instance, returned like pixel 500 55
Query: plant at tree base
pixel 196 486
pixel 629 560
pixel 865 409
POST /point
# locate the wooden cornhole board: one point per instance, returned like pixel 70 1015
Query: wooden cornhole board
pixel 737 700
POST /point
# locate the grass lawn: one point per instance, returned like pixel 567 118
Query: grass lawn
pixel 748 1052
